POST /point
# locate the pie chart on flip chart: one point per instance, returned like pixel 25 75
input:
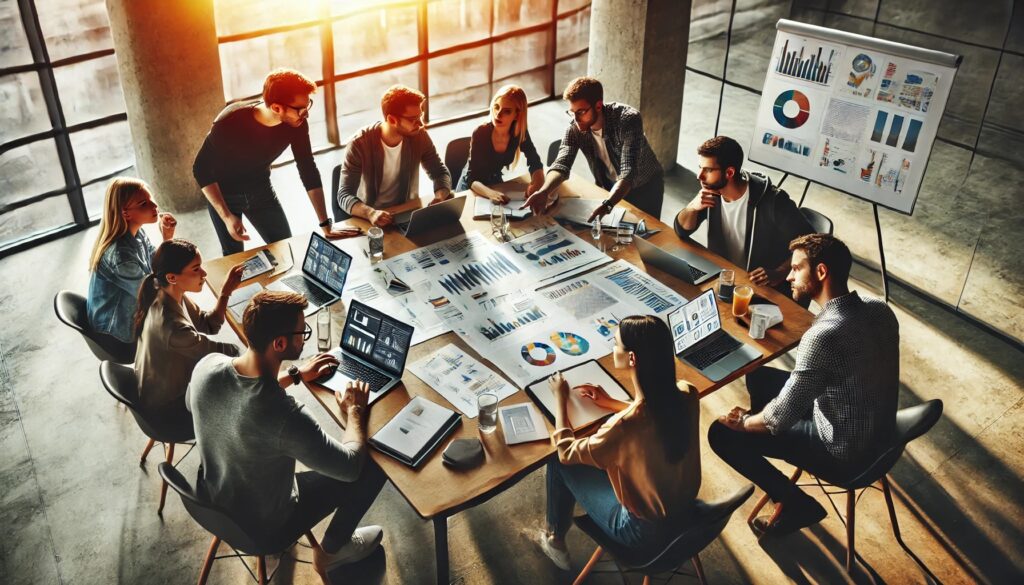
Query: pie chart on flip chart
pixel 538 354
pixel 792 109
pixel 570 343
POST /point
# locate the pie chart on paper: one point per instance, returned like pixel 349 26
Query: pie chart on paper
pixel 795 115
pixel 538 354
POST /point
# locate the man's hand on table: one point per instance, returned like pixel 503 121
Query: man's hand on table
pixel 380 218
pixel 539 202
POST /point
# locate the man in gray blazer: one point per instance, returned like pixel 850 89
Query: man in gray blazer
pixel 380 168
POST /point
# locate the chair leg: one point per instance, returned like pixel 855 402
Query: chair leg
pixel 163 484
pixel 211 554
pixel 764 500
pixel 851 509
pixel 589 566
pixel 699 568
pixel 316 547
pixel 261 569
pixel 145 452
pixel 892 509
pixel 647 580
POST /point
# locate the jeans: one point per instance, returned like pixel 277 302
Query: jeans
pixel 800 444
pixel 261 205
pixel 567 484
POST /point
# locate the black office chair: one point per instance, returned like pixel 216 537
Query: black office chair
pixel 911 423
pixel 219 523
pixel 71 311
pixel 818 220
pixel 339 213
pixel 122 383
pixel 553 151
pixel 693 536
pixel 455 156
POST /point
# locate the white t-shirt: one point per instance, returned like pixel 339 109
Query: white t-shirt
pixel 602 153
pixel 387 192
pixel 734 228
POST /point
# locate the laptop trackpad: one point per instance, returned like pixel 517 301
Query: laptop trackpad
pixel 730 363
pixel 337 381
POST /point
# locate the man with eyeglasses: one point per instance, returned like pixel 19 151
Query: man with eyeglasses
pixel 382 160
pixel 612 139
pixel 750 221
pixel 233 165
pixel 250 432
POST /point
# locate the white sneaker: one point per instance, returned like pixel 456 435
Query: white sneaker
pixel 558 556
pixel 364 541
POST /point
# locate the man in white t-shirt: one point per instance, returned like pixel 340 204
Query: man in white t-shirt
pixel 382 160
pixel 750 221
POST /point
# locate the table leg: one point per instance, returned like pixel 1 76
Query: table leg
pixel 441 548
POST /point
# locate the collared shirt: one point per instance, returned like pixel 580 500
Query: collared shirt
pixel 846 376
pixel 114 286
pixel 628 150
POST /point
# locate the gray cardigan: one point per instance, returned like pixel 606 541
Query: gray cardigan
pixel 364 161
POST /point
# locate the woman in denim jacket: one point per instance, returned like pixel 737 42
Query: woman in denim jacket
pixel 121 259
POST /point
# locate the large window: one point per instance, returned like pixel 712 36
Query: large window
pixel 63 128
pixel 458 52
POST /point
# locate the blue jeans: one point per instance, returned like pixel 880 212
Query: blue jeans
pixel 568 484
pixel 261 205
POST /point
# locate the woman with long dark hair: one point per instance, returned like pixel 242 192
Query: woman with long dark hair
pixel 641 469
pixel 173 330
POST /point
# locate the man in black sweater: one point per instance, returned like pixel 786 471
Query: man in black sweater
pixel 233 165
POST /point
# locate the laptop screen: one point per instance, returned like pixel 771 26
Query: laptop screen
pixel 376 337
pixel 326 263
pixel 694 321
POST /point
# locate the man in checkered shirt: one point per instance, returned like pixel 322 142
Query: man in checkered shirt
pixel 836 411
pixel 612 139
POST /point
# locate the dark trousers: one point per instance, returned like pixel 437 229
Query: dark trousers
pixel 800 444
pixel 263 209
pixel 320 495
pixel 649 196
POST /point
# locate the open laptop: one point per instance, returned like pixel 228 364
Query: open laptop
pixel 424 219
pixel 683 265
pixel 373 349
pixel 700 341
pixel 324 270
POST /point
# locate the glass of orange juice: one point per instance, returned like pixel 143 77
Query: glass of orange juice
pixel 741 300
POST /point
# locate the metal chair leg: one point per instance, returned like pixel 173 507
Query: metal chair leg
pixel 163 484
pixel 261 569
pixel 851 510
pixel 589 566
pixel 699 568
pixel 145 452
pixel 211 554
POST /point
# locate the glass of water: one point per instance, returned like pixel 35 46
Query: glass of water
pixel 375 235
pixel 487 404
pixel 323 329
pixel 624 235
pixel 499 221
pixel 595 228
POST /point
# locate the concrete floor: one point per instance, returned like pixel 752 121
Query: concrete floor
pixel 78 509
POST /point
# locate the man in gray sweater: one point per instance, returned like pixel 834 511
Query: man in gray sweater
pixel 382 160
pixel 250 433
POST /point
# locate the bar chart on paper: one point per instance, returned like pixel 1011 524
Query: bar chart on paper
pixel 474 274
pixel 808 62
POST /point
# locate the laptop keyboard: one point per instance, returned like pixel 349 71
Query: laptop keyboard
pixel 360 371
pixel 696 272
pixel 713 351
pixel 319 296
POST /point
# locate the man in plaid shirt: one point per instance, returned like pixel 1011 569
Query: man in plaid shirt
pixel 835 412
pixel 612 139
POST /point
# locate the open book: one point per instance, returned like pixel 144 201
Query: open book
pixel 582 411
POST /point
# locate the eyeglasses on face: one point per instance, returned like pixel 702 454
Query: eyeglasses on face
pixel 306 332
pixel 301 111
pixel 578 113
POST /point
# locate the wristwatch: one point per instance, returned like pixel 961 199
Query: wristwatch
pixel 326 223
pixel 608 203
pixel 293 371
pixel 743 420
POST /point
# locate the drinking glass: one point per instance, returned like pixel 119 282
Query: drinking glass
pixel 323 329
pixel 726 281
pixel 376 239
pixel 595 229
pixel 487 404
pixel 499 221
pixel 624 234
pixel 741 300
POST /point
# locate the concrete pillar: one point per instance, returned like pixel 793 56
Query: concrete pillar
pixel 169 63
pixel 638 51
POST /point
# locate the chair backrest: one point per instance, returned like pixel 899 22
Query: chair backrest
pixel 339 213
pixel 122 383
pixel 553 151
pixel 819 221
pixel 455 156
pixel 70 309
pixel 911 423
pixel 211 517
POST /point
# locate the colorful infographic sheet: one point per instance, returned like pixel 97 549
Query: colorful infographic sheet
pixel 552 252
pixel 458 377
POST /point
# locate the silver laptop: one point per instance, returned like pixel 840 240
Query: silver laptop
pixel 701 342
pixel 373 349
pixel 683 265
pixel 424 219
pixel 324 270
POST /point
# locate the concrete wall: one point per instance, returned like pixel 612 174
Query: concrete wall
pixel 169 63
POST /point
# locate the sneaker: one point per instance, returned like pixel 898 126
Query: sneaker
pixel 558 556
pixel 794 516
pixel 364 541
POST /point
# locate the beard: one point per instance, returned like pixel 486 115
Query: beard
pixel 716 186
pixel 806 291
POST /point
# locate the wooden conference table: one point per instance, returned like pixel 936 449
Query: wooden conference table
pixel 436 491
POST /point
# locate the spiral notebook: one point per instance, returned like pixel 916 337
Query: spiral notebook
pixel 582 411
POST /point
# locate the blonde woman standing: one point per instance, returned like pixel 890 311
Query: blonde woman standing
pixel 497 144
pixel 121 259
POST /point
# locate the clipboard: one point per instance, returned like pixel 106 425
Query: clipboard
pixel 582 411
pixel 440 433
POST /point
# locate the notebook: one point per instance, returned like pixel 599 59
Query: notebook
pixel 582 411
pixel 416 431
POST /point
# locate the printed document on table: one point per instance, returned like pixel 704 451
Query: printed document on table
pixel 516 198
pixel 628 284
pixel 578 211
pixel 413 427
pixel 460 379
pixel 553 251
pixel 240 298
pixel 522 423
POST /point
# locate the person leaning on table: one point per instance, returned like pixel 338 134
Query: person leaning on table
pixel 641 470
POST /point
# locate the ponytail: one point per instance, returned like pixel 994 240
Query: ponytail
pixel 171 257
pixel 147 294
